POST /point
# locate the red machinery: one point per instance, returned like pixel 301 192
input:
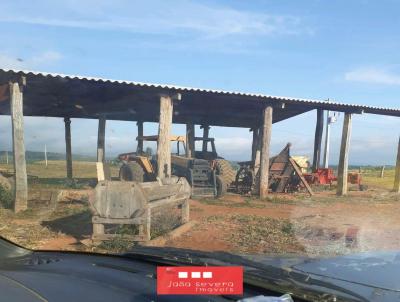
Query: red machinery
pixel 325 176
pixel 320 176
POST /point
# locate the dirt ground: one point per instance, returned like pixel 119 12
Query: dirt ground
pixel 321 225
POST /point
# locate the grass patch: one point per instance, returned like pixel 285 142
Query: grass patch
pixel 263 235
pixel 115 245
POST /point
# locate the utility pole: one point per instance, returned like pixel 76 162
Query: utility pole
pixel 330 119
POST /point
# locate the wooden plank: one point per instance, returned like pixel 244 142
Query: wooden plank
pixel 102 237
pixel 101 140
pixel 164 132
pixel 254 144
pixel 100 171
pixel 300 174
pixel 68 152
pixel 318 139
pixel 98 229
pixel 147 225
pixel 166 202
pixel 139 148
pixel 175 233
pixel 342 186
pixel 265 144
pixel 396 185
pixel 17 121
pixel 190 134
pixel 206 132
pixel 101 149
pixel 137 220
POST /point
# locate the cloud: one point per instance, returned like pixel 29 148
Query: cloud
pixel 371 75
pixel 154 17
pixel 37 61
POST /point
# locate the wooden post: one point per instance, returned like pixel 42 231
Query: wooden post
pixel 17 122
pixel 147 224
pixel 190 134
pixel 185 211
pixel 101 149
pixel 382 174
pixel 254 144
pixel 164 133
pixel 396 186
pixel 68 152
pixel 139 149
pixel 344 156
pixel 266 132
pixel 318 139
pixel 206 131
pixel 257 155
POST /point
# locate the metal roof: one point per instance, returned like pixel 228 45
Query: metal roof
pixel 53 87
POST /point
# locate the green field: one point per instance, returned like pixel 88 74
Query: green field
pixel 372 177
pixel 55 172
pixel 83 171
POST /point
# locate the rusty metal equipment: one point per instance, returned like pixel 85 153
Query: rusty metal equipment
pixel 131 203
pixel 321 176
pixel 284 175
pixel 326 176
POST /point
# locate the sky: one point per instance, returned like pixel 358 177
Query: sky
pixel 346 51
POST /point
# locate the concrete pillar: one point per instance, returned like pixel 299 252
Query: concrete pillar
pixel 319 128
pixel 266 132
pixel 68 152
pixel 190 134
pixel 139 149
pixel 164 134
pixel 342 187
pixel 17 122
pixel 396 186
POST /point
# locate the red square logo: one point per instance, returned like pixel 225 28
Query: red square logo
pixel 199 280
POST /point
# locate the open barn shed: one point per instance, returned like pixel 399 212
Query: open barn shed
pixel 26 93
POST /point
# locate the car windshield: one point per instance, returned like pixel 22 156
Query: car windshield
pixel 96 157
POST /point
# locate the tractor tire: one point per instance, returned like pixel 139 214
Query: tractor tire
pixel 221 186
pixel 225 171
pixel 132 171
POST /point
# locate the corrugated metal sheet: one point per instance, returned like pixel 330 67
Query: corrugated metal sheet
pixel 201 90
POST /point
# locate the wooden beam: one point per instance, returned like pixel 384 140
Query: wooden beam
pixel 319 128
pixel 164 132
pixel 396 186
pixel 206 131
pixel 254 144
pixel 266 131
pixel 190 134
pixel 257 155
pixel 139 149
pixel 101 140
pixel 68 152
pixel 101 149
pixel 17 121
pixel 344 156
